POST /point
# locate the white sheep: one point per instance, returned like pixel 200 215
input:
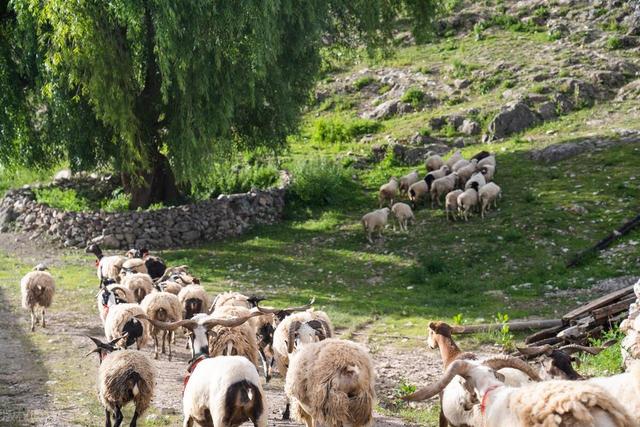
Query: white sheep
pixel 441 187
pixel 625 388
pixel 124 376
pixel 375 220
pixel 453 159
pixel 238 340
pixel 164 307
pixel 121 320
pixel 438 173
pixel 194 299
pixel 331 383
pixel 37 288
pixel 111 295
pixel 418 192
pixel 388 191
pixel 224 391
pixel 489 194
pixel 489 160
pixel 476 177
pixel 549 403
pixel 465 172
pixel 488 171
pixel 451 203
pixel 462 163
pixel 108 267
pixel 133 265
pixel 403 214
pixel 467 201
pixel 407 180
pixel 433 162
pixel 140 284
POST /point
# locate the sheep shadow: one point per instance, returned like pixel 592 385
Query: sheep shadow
pixel 23 375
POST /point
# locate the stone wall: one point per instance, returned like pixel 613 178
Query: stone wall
pixel 228 215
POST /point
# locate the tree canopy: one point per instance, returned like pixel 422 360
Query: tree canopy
pixel 158 89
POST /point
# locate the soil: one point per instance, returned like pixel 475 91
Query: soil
pixel 25 373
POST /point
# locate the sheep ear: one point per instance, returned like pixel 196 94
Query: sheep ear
pixel 432 326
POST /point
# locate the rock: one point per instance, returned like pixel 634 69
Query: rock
pixel 614 284
pixel 437 123
pixel 416 155
pixel 469 127
pixel 461 83
pixel 629 91
pixel 514 117
pixel 582 94
pixel 7 216
pixel 547 110
pixel 608 79
pixel 110 242
pixel 384 110
pixel 64 174
pixel 565 150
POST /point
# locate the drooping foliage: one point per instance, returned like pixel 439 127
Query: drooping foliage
pixel 157 89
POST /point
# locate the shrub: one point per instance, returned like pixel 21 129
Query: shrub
pixel 336 130
pixel 541 12
pixel 229 178
pixel 320 182
pixel 488 84
pixel 363 82
pixel 462 70
pixel 67 200
pixel 118 203
pixel 413 96
pixel 614 43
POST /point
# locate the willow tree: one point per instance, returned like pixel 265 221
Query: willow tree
pixel 158 89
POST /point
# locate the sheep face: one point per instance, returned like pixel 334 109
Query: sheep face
pixel 199 337
pixel 191 307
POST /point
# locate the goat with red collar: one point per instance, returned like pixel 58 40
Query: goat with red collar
pixel 222 391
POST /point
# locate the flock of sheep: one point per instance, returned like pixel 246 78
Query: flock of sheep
pixel 465 185
pixel 328 381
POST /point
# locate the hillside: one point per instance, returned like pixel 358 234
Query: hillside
pixel 552 88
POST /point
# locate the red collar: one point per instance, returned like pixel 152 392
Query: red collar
pixel 483 405
pixel 105 310
pixel 191 368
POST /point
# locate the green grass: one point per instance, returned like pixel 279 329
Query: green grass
pixel 340 130
pixel 413 96
pixel 66 200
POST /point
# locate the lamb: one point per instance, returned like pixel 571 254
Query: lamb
pixel 489 160
pixel 462 163
pixel 108 267
pixel 442 186
pixel 439 173
pixel 388 191
pixel 290 332
pixel 419 191
pixel 464 173
pixel 433 162
pixel 37 288
pixel 488 194
pixel 549 403
pixel 375 220
pixel 331 383
pixel 140 284
pixel 468 200
pixel 194 300
pixel 155 265
pixel 407 180
pixel 111 295
pixel 224 391
pixel 451 203
pixel 403 214
pixel 122 320
pixel 123 376
pixel 488 171
pixel 164 307
pixel 476 177
pixel 454 158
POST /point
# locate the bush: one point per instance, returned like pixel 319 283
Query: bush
pixel 118 203
pixel 229 178
pixel 67 200
pixel 320 182
pixel 614 43
pixel 413 96
pixel 336 130
pixel 363 82
pixel 462 70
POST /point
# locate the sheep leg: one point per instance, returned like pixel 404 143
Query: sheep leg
pixel 134 419
pixel 119 417
pixel 108 415
pixel 188 422
pixel 265 366
pixel 43 322
pixel 286 413
pixel 155 346
pixel 164 337
pixel 33 320
pixel 169 344
pixel 369 237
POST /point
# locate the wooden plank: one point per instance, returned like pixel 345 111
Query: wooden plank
pixel 544 334
pixel 513 326
pixel 550 341
pixel 598 303
pixel 613 309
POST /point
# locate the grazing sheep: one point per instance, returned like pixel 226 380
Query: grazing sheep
pixel 451 203
pixel 439 173
pixel 121 320
pixel 489 160
pixel 488 194
pixel 331 383
pixel 375 220
pixel 407 180
pixel 481 155
pixel 476 177
pixel 468 200
pixel 108 267
pixel 403 214
pixel 37 288
pixel 164 307
pixel 111 295
pixel 235 299
pixel 388 191
pixel 419 191
pixel 155 265
pixel 488 171
pixel 194 300
pixel 224 391
pixel 453 159
pixel 548 403
pixel 132 266
pixel 464 173
pixel 140 284
pixel 460 164
pixel 124 376
pixel 433 162
pixel 441 187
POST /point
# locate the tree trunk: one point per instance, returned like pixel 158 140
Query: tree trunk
pixel 157 185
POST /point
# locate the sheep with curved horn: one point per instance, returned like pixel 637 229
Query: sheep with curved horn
pixel 557 363
pixel 549 403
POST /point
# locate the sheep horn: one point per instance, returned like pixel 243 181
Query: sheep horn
pixel 288 310
pixel 119 288
pixel 459 367
pixel 496 363
pixel 170 326
pixel 534 350
pixel 230 322
pixel 213 304
pixel 292 335
pixel 574 348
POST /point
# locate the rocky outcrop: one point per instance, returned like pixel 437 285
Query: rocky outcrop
pixel 228 215
pixel 565 150
pixel 513 118
pixel 630 91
